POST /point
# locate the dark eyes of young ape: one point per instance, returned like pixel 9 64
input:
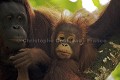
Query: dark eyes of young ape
pixel 71 39
pixel 61 37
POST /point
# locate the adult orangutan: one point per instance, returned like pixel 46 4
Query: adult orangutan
pixel 19 28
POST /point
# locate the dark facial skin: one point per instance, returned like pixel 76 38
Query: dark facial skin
pixel 13 26
pixel 67 41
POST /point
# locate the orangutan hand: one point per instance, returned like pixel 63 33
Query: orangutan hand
pixel 22 59
pixel 29 56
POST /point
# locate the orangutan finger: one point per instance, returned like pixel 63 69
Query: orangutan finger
pixel 17 56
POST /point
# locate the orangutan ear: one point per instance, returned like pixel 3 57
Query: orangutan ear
pixel 87 55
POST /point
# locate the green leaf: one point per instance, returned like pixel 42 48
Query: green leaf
pixel 116 73
pixel 97 3
pixel 65 4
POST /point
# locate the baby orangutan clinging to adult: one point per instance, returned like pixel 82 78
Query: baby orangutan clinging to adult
pixel 71 55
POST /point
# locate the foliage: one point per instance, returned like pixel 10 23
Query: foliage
pixel 59 4
pixel 116 73
pixel 97 3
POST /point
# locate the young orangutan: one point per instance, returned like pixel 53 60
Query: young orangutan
pixel 71 55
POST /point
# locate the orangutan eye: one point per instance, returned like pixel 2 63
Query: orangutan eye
pixel 9 17
pixel 71 39
pixel 60 37
pixel 20 18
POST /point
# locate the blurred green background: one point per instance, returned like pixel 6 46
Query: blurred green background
pixel 72 6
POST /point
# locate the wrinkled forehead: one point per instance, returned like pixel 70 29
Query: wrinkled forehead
pixel 11 7
pixel 69 29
